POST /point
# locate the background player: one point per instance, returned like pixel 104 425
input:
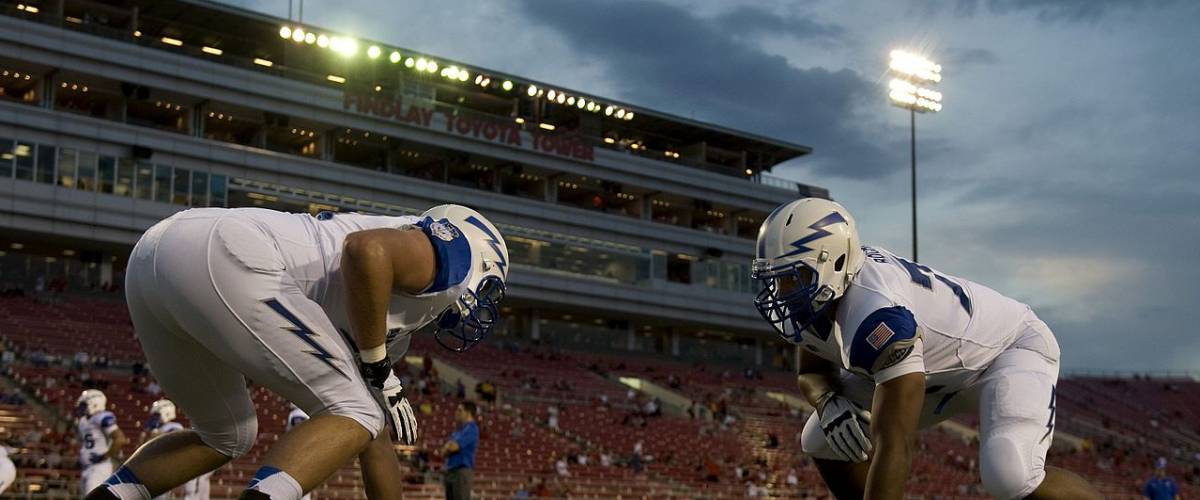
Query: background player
pixel 8 471
pixel 303 306
pixel 100 440
pixel 915 346
pixel 162 421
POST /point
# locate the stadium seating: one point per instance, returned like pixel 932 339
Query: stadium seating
pixel 519 447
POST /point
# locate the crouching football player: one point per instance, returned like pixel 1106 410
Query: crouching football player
pixel 888 346
pixel 304 306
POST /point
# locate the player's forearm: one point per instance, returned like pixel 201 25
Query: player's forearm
pixel 380 469
pixel 889 471
pixel 367 273
pixel 815 385
pixel 118 442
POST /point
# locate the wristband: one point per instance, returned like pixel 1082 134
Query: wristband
pixel 374 354
pixel 822 400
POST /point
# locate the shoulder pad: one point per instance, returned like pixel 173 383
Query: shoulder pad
pixel 106 419
pixel 883 339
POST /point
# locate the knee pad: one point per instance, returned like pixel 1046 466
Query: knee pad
pixel 1007 471
pixel 235 439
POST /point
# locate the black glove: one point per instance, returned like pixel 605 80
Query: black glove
pixel 376 373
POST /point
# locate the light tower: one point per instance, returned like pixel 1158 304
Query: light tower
pixel 913 74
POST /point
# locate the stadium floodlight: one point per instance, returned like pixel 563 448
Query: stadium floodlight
pixel 562 98
pixel 263 62
pixel 211 50
pixel 915 66
pixel 546 126
pixel 285 32
pixel 432 66
pixel 410 62
pixel 336 78
pixel 620 113
pixel 298 35
pixel 422 64
pixel 552 94
pixel 463 75
pixel 507 85
pixel 322 41
pixel 172 41
pixel 608 111
pixel 629 116
pixel 395 57
pixel 374 51
pixel 571 101
pixel 581 103
pixel 908 90
pixel 532 90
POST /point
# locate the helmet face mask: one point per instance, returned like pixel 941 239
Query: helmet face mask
pixel 792 298
pixel 90 402
pixel 472 318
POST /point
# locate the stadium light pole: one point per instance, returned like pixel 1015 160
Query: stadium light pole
pixel 909 71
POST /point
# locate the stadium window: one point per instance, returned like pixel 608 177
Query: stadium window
pixel 85 179
pixel 6 158
pixel 288 135
pixel 46 155
pixel 679 269
pixel 106 174
pixel 66 167
pixel 162 183
pixel 225 125
pixel 217 190
pixel 199 189
pixel 143 184
pixel 163 113
pixel 124 184
pixel 75 96
pixel 24 153
pixel 182 186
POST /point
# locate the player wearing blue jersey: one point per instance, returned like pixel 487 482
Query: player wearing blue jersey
pixel 308 307
pixel 100 440
pixel 888 346
pixel 162 421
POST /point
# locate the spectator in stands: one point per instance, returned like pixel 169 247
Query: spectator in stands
pixel 560 467
pixel 712 470
pixel 605 459
pixel 460 453
pixel 1161 487
pixel 792 479
pixel 772 441
pixel 552 417
pixel 460 389
pixel 522 491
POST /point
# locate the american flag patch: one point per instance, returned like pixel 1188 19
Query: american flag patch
pixel 878 338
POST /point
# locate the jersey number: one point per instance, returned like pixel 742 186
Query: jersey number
pixel 921 276
pixel 88 441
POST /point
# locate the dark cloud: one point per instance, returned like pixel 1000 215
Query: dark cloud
pixel 748 19
pixel 1051 10
pixel 668 58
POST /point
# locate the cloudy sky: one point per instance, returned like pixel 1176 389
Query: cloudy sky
pixel 1063 171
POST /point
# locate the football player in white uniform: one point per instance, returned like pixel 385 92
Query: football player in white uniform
pixel 162 421
pixel 888 346
pixel 304 306
pixel 294 418
pixel 8 471
pixel 100 440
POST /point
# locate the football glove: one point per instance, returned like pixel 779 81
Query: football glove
pixel 96 458
pixel 843 423
pixel 399 412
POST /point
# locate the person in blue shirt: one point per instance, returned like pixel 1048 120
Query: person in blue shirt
pixel 460 453
pixel 1161 487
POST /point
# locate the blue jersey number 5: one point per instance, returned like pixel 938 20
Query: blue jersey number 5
pixel 921 276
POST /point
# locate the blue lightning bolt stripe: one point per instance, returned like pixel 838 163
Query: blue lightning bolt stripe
pixel 1053 409
pixel 306 334
pixel 493 240
pixel 819 232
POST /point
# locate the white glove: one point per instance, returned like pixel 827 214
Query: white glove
pixel 843 422
pixel 398 411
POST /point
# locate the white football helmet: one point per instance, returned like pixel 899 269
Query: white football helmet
pixel 164 409
pixel 808 251
pixel 91 402
pixel 473 316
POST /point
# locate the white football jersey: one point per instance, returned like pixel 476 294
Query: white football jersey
pixel 93 435
pixel 311 248
pixel 296 417
pixel 899 317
